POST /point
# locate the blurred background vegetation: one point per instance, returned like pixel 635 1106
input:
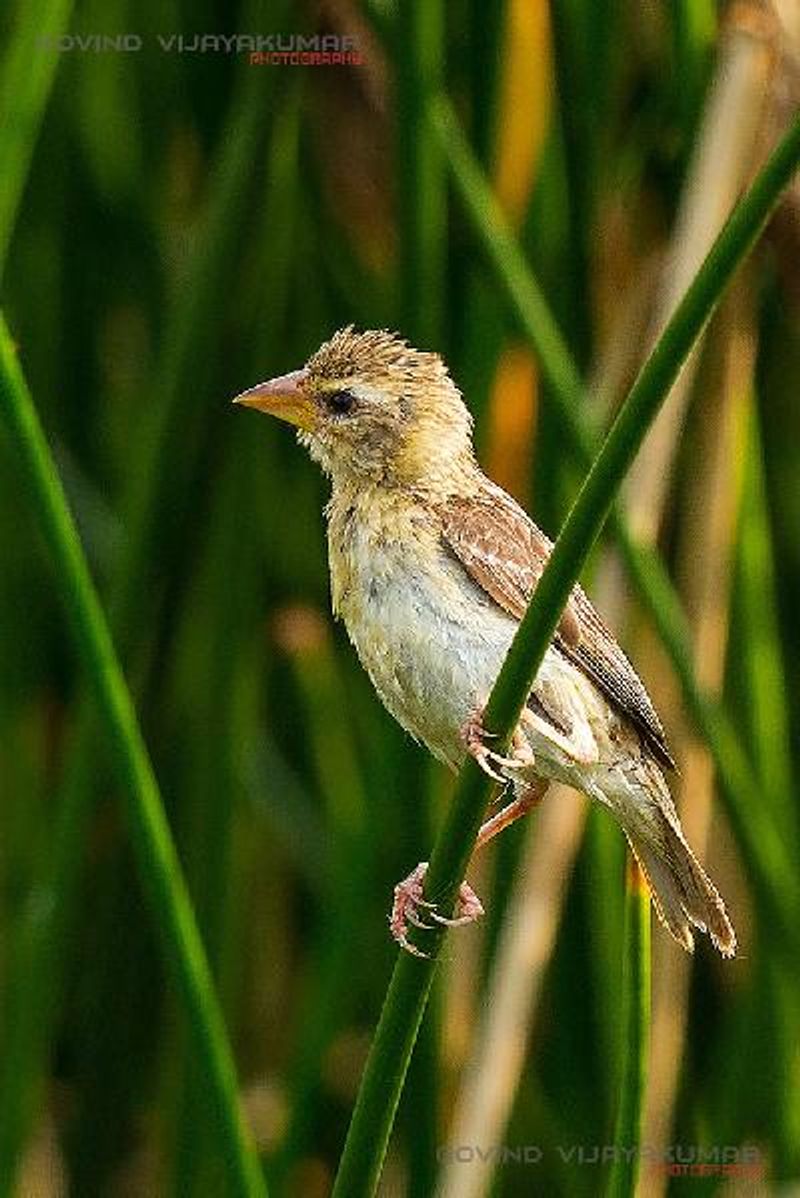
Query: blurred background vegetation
pixel 175 227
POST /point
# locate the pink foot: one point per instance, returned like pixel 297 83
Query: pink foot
pixel 474 735
pixel 409 898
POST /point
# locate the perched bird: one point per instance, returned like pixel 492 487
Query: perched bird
pixel 432 566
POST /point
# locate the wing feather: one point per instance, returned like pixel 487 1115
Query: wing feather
pixel 505 553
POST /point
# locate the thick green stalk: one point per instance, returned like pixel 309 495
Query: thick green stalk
pixel 386 1066
pixel 25 84
pixel 635 1035
pixel 159 863
pixel 765 856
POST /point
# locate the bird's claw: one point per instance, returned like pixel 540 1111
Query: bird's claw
pixel 468 906
pixel 409 898
pixel 474 736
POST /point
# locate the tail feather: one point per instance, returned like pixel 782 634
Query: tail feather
pixel 683 895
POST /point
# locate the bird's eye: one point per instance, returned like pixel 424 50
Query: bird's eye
pixel 340 403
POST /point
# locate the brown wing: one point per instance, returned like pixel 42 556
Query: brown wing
pixel 505 553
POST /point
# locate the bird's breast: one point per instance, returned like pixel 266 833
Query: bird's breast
pixel 430 644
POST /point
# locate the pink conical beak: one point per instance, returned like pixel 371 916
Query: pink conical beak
pixel 285 397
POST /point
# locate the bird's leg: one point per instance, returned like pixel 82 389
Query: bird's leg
pixel 410 904
pixel 531 797
pixel 474 736
pixel 409 898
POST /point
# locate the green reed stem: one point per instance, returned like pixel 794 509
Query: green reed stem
pixel 635 1035
pixel 386 1067
pixel 158 860
pixel 765 856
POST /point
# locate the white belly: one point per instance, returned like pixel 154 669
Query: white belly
pixel 432 657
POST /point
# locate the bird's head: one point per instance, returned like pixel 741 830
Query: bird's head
pixel 371 409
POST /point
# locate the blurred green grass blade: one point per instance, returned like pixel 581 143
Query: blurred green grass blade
pixel 29 1006
pixel 509 263
pixel 763 708
pixel 766 686
pixel 160 487
pixel 421 170
pixel 159 490
pixel 329 991
pixel 694 29
pixel 386 1067
pixel 117 163
pixel 635 1039
pixel 209 806
pixel 579 136
pixel 784 999
pixel 279 798
pixel 158 860
pixel 26 79
pixel 487 23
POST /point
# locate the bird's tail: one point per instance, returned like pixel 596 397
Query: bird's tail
pixel 683 895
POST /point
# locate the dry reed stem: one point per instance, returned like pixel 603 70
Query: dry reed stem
pixel 722 163
pixel 523 953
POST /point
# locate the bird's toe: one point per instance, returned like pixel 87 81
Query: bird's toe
pixel 408 898
pixel 474 736
pixel 411 909
pixel 468 908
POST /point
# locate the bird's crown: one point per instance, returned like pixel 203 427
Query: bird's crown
pixel 376 357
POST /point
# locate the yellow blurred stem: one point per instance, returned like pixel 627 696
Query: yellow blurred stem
pixel 512 420
pixel 525 105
